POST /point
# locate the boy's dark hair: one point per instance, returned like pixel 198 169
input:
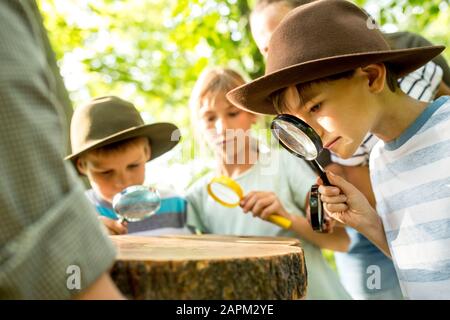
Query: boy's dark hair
pixel 120 146
pixel 391 80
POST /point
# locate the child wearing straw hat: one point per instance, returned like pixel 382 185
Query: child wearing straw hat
pixel 111 146
pixel 328 66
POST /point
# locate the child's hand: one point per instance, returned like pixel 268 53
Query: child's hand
pixel 263 204
pixel 328 222
pixel 346 204
pixel 114 227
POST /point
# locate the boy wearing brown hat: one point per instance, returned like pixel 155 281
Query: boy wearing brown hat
pixel 421 84
pixel 329 66
pixel 111 146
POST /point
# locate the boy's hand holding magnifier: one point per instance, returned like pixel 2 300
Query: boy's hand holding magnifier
pixel 346 204
pixel 342 201
pixel 301 140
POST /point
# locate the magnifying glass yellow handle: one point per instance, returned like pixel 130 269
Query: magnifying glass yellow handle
pixel 236 188
pixel 281 221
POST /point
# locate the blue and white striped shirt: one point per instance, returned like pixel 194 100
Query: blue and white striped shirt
pixel 411 182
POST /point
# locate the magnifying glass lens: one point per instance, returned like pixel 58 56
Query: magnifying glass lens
pixel 225 193
pixel 294 138
pixel 136 203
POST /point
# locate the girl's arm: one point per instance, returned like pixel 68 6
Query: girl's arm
pixel 338 240
pixel 264 204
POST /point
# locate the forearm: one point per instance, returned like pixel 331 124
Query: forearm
pixel 338 240
pixel 359 176
pixel 373 230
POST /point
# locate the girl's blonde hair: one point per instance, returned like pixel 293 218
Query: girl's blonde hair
pixel 211 83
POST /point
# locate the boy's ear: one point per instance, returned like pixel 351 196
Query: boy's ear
pixel 81 166
pixel 148 151
pixel 376 75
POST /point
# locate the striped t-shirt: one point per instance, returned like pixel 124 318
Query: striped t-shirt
pixel 411 182
pixel 420 84
pixel 169 219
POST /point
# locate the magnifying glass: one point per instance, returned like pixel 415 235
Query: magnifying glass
pixel 301 140
pixel 229 193
pixel 136 203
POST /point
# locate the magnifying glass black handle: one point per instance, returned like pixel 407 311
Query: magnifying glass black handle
pixel 322 173
pixel 317 213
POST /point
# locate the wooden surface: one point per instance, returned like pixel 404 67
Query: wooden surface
pixel 209 267
pixel 238 239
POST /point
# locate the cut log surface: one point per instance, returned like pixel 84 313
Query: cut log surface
pixel 239 239
pixel 209 267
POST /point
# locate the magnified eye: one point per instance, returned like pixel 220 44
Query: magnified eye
pixel 296 136
pixel 315 108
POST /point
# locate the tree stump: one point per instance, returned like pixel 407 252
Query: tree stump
pixel 240 239
pixel 209 267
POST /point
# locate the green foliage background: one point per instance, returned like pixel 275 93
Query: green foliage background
pixel 151 51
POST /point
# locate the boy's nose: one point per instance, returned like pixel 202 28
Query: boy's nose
pixel 318 129
pixel 122 181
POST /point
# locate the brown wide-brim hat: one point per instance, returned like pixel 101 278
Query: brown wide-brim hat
pixel 109 119
pixel 318 40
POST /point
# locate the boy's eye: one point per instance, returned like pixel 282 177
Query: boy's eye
pixel 233 114
pixel 132 166
pixel 105 173
pixel 315 108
